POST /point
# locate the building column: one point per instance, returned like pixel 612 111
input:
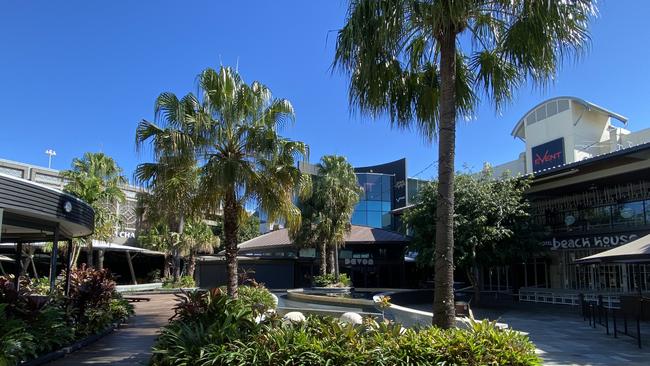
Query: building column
pixel 19 265
pixel 68 267
pixel 53 259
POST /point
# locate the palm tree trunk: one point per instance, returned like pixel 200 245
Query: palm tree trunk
pixel 177 251
pixel 230 223
pixel 100 259
pixel 177 264
pixel 191 264
pixel 166 269
pixel 331 268
pixel 322 248
pixel 443 303
pixel 89 255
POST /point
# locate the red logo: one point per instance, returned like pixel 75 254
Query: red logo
pixel 547 158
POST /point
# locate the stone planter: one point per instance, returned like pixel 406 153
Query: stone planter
pixel 329 290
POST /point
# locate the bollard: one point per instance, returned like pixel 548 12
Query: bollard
pixel 614 321
pixel 600 309
pixel 582 304
pixel 593 313
pixel 606 323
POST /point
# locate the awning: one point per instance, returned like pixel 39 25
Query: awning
pixel 97 245
pixel 112 247
pixel 637 251
pixel 5 259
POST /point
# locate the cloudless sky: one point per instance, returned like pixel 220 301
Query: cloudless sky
pixel 78 76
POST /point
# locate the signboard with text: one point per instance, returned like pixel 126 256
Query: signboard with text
pixel 548 155
pixel 592 241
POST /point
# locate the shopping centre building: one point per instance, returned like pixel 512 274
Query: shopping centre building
pixel 590 192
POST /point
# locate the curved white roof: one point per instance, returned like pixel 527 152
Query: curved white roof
pixel 517 131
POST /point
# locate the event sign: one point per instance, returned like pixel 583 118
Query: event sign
pixel 548 155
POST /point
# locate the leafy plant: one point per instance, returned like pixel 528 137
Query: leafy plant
pixel 329 280
pixel 183 282
pixel 257 298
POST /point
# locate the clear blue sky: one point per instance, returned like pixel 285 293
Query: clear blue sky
pixel 78 76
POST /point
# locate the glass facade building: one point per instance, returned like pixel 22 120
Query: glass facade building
pixel 376 201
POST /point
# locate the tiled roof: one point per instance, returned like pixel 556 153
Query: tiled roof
pixel 358 235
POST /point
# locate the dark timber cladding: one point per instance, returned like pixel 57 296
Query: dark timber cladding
pixel 32 211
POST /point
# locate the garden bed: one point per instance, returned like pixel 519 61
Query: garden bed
pixel 35 329
pixel 210 328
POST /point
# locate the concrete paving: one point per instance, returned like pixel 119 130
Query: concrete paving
pixel 131 344
pixel 563 338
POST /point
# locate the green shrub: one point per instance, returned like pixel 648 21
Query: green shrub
pixel 329 280
pixel 32 325
pixel 120 309
pixel 183 282
pixel 256 297
pixel 233 339
pixel 203 319
pixel 16 343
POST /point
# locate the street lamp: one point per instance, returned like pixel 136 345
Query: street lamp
pixel 50 154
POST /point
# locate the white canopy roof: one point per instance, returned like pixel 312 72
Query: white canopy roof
pixel 636 251
pixel 5 259
pixel 100 245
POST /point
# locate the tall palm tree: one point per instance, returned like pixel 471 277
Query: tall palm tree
pixel 96 178
pixel 327 213
pixel 246 160
pixel 424 62
pixel 172 179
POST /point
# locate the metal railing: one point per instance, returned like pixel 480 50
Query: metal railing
pixel 612 319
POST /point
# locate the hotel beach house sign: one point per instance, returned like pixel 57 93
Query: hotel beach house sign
pixel 591 241
pixel 548 155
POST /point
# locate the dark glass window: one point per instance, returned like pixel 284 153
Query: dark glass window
pixel 629 214
pixel 387 221
pixel 597 217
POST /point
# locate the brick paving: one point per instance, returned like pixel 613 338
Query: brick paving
pixel 131 344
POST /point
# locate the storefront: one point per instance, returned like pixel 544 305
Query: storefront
pixel 372 257
pixel 590 193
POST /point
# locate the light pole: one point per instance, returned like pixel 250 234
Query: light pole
pixel 50 154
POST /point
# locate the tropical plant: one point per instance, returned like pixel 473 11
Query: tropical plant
pixel 328 212
pixel 172 179
pixel 424 63
pixel 197 238
pixel 487 214
pixel 231 128
pixel 96 178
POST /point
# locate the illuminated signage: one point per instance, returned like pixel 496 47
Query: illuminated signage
pixel 548 155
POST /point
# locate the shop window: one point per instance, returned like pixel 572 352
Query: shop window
pixel 629 214
pixel 598 217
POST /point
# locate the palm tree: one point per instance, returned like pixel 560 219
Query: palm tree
pixel 424 62
pixel 246 160
pixel 197 238
pixel 172 180
pixel 96 178
pixel 327 213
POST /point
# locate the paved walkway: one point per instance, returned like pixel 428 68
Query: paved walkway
pixel 130 345
pixel 563 338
